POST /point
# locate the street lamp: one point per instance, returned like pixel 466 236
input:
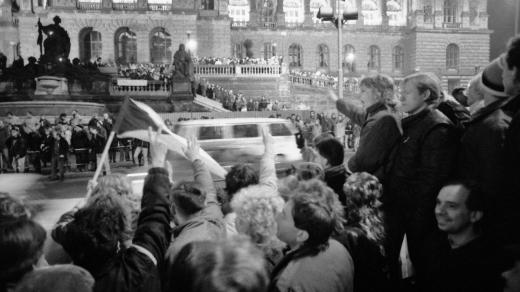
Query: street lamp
pixel 338 18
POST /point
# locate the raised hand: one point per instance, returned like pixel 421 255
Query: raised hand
pixel 192 151
pixel 158 149
pixel 268 140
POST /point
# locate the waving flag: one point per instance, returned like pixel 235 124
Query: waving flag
pixel 133 121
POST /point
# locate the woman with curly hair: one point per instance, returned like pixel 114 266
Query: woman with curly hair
pixel 380 127
pixel 364 232
pixel 256 208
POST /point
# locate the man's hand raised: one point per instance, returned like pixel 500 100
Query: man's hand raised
pixel 158 149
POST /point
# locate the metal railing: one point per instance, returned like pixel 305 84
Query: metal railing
pixel 89 5
pixel 160 7
pixel 239 24
pixel 124 6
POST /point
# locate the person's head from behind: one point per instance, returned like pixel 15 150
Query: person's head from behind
pixel 378 88
pixel 57 278
pixel 119 185
pixel 256 208
pixel 419 90
pixel 21 247
pixel 510 63
pixel 11 207
pixel 363 192
pixel 331 152
pixel 98 230
pixel 238 177
pixel 460 96
pixel 310 216
pixel 188 199
pixel 459 208
pixel 234 265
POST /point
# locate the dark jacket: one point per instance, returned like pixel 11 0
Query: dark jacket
pixel 79 140
pixel 473 267
pixel 512 169
pixel 370 273
pixel 335 177
pixel 61 149
pixel 34 141
pixel 481 151
pixel 421 162
pixel 97 143
pixel 134 268
pixel 380 131
pixel 310 269
pixel 454 111
pixel 4 134
pixel 17 146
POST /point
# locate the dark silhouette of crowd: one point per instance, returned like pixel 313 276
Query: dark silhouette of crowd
pixel 429 202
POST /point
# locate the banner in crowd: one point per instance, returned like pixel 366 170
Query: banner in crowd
pixel 131 82
pixel 133 121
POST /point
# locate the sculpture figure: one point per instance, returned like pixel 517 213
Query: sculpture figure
pixel 57 43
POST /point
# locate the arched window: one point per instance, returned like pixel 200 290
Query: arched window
pixel 126 46
pixel 238 50
pixel 398 58
pixel 295 55
pixel 207 4
pixel 348 58
pixel 450 11
pixel 267 11
pixel 160 46
pixel 374 58
pixel 90 44
pixel 323 56
pixel 452 56
pixel 269 50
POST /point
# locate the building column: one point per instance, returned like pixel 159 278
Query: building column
pixel 307 12
pixel 253 13
pixel 359 6
pixel 143 46
pixel 384 14
pixel 280 14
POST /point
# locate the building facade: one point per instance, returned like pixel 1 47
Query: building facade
pixel 396 37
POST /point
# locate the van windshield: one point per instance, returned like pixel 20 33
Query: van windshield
pixel 279 130
pixel 245 131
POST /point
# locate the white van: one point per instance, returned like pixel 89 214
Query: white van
pixel 239 140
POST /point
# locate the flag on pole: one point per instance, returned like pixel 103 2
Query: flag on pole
pixel 133 121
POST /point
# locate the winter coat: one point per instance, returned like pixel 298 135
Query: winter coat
pixel 79 140
pixel 97 143
pixel 17 146
pixel 380 132
pixel 481 151
pixel 422 161
pixel 315 270
pixel 4 135
pixel 134 268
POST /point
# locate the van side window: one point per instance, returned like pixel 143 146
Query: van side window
pixel 279 130
pixel 245 131
pixel 207 133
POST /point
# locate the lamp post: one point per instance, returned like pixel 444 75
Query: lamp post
pixel 338 18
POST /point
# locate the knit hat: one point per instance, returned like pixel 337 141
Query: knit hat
pixel 58 278
pixel 491 81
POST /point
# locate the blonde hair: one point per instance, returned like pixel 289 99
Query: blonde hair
pixel 426 81
pixel 384 85
pixel 257 207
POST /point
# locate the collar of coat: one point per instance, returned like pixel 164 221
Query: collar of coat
pixel 512 106
pixel 487 110
pixel 375 108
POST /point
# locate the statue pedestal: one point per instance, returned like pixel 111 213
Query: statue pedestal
pixel 181 89
pixel 51 85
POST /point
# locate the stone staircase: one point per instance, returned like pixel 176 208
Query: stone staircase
pixel 210 104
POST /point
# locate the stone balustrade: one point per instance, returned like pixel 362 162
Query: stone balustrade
pixel 350 84
pixel 153 88
pixel 246 71
pixel 89 5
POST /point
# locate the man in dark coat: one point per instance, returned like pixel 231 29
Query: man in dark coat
pixel 34 141
pixel 511 78
pixel 17 146
pixel 418 167
pixel 4 152
pixel 59 150
pixel 481 154
pixel 80 147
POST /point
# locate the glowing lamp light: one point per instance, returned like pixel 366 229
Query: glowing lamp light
pixel 191 45
pixel 350 57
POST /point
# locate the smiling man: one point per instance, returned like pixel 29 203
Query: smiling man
pixel 460 256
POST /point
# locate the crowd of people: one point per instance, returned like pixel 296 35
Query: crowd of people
pixel 147 71
pixel 31 144
pixel 429 202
